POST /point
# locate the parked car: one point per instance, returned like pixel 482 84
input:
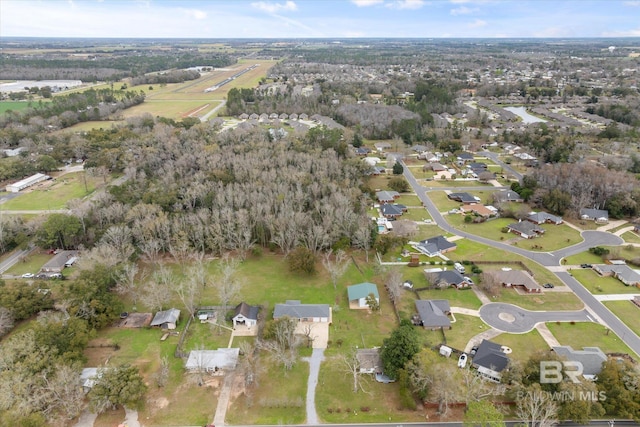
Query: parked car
pixel 547 285
pixel 473 351
pixel 462 361
pixel 28 275
pixel 586 265
pixel 408 284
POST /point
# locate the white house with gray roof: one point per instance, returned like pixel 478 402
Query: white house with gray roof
pixel 316 313
pixel 213 361
pixel 622 272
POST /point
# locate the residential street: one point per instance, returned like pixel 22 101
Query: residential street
pixel 546 259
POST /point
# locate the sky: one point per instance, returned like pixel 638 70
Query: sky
pixel 319 18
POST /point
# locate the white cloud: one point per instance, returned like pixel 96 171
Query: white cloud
pixel 464 10
pixel 270 7
pixel 478 23
pixel 407 4
pixel 634 3
pixel 366 3
pixel 196 14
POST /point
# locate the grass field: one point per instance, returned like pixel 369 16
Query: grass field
pixel 585 334
pixel 54 194
pixel 597 284
pixel 631 237
pixel 539 302
pixel 15 106
pixel 626 311
pixel 31 264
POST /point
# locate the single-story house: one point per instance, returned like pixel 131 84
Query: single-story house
pixel 479 166
pixel 434 246
pixel 362 151
pixel 600 216
pixel 520 279
pixel 464 157
pixel 212 361
pixel 369 361
pixel 507 196
pixel 387 196
pixel 382 147
pixel 464 198
pixel 478 209
pixel 623 272
pixel 490 360
pixel 317 313
pixel 450 278
pixel 544 218
pixel 167 319
pixel 59 261
pixel 358 294
pixel 378 170
pixel 592 359
pixel 391 211
pixel 245 314
pixel 419 148
pixel 437 167
pixel 27 182
pixel 434 314
pixel 525 229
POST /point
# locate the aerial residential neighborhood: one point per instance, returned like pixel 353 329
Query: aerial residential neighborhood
pixel 356 212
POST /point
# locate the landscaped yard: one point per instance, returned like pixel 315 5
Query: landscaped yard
pixel 597 284
pixel 626 311
pixel 631 237
pixel 586 334
pixel 54 194
pixel 538 302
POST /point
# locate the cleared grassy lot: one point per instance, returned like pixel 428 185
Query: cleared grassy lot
pixel 597 284
pixel 586 334
pixel 522 345
pixel 545 301
pixel 15 106
pixel 336 401
pixel 31 264
pixel 626 311
pixel 54 194
pixel 631 237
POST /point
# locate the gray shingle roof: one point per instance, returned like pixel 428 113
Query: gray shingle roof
pixel 490 356
pixel 433 312
pixel 167 316
pixel 434 245
pixel 591 358
pixel 297 310
pixel 248 311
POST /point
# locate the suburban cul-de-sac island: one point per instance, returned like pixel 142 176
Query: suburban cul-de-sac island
pixel 386 212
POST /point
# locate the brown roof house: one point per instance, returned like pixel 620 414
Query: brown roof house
pixel 519 279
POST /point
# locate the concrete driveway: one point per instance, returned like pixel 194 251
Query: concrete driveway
pixel 319 332
pixel 513 319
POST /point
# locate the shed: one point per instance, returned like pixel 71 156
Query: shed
pixel 245 314
pixel 167 319
pixel 358 294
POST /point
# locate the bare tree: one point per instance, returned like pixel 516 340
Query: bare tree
pixel 393 283
pixel 307 332
pixel 362 237
pixel 189 291
pixel 228 284
pixel 443 390
pixel 283 344
pixel 162 376
pixel 61 394
pixel 336 266
pixel 490 283
pixel 157 291
pixel 126 281
pixel 476 388
pixel 6 320
pixel 536 407
pixel 351 366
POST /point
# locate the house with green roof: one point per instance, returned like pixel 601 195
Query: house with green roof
pixel 358 294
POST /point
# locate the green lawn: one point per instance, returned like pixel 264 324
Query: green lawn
pixel 337 403
pixel 545 301
pixel 409 200
pixel 522 345
pixel 278 398
pixel 440 199
pixel 453 183
pixel 31 264
pixel 583 258
pixel 54 194
pixel 586 334
pixel 462 330
pixel 631 237
pixel 626 311
pixel 597 284
pixel 457 298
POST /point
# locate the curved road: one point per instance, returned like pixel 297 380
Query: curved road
pixel 515 320
pixel 546 259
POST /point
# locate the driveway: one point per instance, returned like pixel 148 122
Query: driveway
pixel 319 333
pixel 513 319
pixel 314 369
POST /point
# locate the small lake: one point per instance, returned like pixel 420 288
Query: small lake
pixel 526 117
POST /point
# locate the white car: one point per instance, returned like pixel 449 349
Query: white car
pixel 28 275
pixel 462 361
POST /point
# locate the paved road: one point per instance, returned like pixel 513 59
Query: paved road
pixel 12 259
pixel 317 356
pixel 515 320
pixel 503 165
pixel 547 259
pixel 213 111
